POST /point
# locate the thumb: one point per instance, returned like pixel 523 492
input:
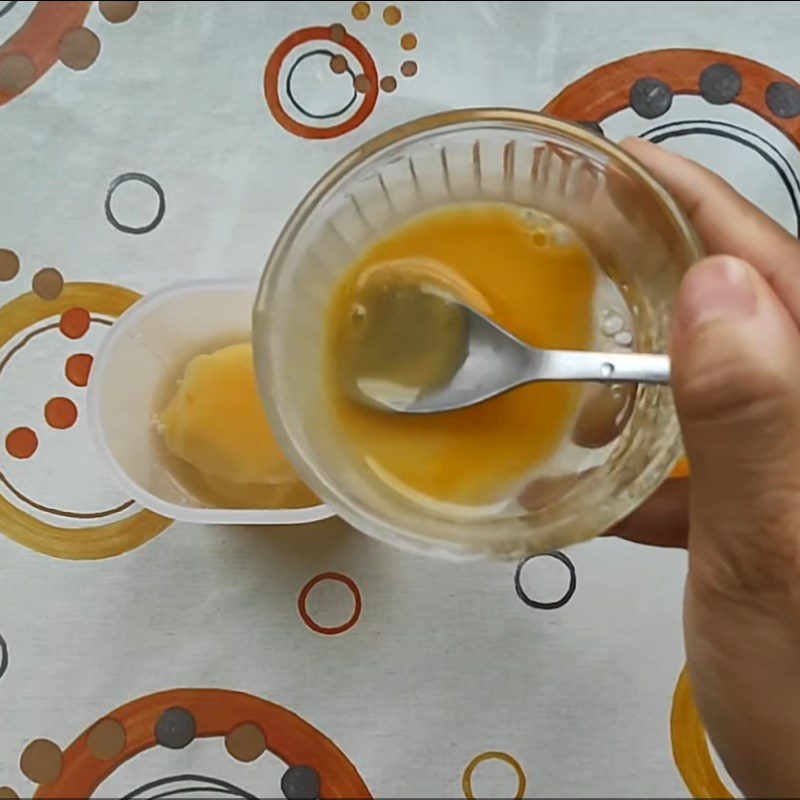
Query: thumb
pixel 736 379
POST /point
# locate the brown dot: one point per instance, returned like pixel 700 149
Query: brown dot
pixel 118 10
pixel 60 413
pixel 361 11
pixel 408 69
pixel 392 15
pixel 337 32
pixel 17 73
pixel 78 368
pixel 9 265
pixel 246 742
pixel 78 48
pixel 106 739
pixel 7 793
pixel 48 283
pixel 388 83
pixel 21 443
pixel 361 83
pixel 338 64
pixel 408 41
pixel 41 761
pixel 74 323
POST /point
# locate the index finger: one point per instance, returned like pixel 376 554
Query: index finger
pixel 726 222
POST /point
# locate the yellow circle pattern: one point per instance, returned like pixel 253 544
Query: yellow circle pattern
pixel 493 755
pixel 98 542
pixel 690 745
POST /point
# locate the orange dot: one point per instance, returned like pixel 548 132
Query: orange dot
pixel 408 41
pixel 388 83
pixel 74 323
pixel 392 15
pixel 78 368
pixel 60 412
pixel 361 11
pixel 21 443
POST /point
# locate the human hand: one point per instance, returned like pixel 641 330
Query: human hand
pixel 736 379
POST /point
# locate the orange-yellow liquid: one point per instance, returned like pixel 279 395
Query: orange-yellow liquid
pixel 542 290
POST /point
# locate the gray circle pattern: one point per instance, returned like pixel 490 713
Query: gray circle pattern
pixel 140 177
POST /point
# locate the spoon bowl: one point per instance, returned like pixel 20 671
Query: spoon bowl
pixel 495 362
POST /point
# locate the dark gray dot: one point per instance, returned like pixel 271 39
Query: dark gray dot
pixel 175 728
pixel 650 97
pixel 300 783
pixel 720 84
pixel 594 127
pixel 783 99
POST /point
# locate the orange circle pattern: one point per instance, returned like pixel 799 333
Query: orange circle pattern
pixel 272 92
pixel 334 629
pixel 605 90
pixel 38 39
pixel 216 712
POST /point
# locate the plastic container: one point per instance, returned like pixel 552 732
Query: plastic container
pixel 636 232
pixel 136 368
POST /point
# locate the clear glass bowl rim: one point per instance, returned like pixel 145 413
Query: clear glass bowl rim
pixel 512 118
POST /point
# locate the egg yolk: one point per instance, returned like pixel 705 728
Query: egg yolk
pixel 493 258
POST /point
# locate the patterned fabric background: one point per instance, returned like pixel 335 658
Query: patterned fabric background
pixel 149 143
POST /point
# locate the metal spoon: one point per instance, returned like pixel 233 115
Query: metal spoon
pixel 495 362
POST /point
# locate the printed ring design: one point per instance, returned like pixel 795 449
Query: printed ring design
pixel 334 629
pixel 690 745
pixel 493 755
pixel 272 73
pixel 141 178
pixel 37 40
pixel 290 94
pixel 177 717
pixel 547 606
pixel 772 95
pixel 102 541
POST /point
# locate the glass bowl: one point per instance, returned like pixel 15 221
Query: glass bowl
pixel 635 231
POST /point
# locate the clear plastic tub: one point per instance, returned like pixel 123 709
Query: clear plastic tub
pixel 136 367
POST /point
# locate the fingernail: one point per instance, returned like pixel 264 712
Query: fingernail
pixel 717 288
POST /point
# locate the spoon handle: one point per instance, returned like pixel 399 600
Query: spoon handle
pixel 576 365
